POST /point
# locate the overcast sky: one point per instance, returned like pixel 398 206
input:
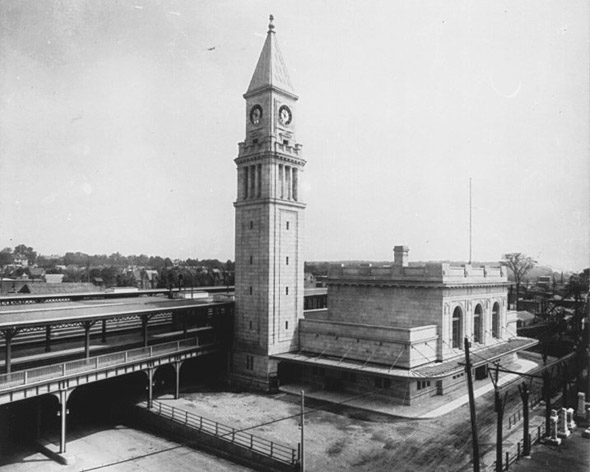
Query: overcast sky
pixel 119 123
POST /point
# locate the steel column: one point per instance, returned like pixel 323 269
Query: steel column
pixel 150 399
pixel 144 329
pixel 48 338
pixel 8 334
pixel 177 366
pixel 87 325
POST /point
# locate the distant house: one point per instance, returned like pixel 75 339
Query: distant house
pixel 216 276
pixel 54 278
pixel 37 273
pixel 52 289
pixel 148 279
pixel 20 260
pixel 321 281
pixel 524 318
pixel 544 281
pixel 309 280
pixel 11 285
pixel 98 281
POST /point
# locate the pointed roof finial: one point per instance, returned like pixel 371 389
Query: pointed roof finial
pixel 271 27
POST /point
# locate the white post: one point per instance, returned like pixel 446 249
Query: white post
pixel 571 425
pixel 581 412
pixel 564 432
pixel 553 439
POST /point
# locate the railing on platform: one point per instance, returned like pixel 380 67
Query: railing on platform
pixel 40 374
pixel 272 449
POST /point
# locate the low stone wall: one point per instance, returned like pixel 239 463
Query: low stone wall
pixel 404 347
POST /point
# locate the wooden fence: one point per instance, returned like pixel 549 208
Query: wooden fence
pixel 271 449
pixel 514 456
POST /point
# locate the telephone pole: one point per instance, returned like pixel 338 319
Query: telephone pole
pixel 302 469
pixel 472 408
pixel 499 407
pixel 526 439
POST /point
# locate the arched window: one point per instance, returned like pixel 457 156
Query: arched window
pixel 477 324
pixel 457 327
pixel 496 320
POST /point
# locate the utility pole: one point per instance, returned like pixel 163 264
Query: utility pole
pixel 547 395
pixel 470 225
pixel 302 469
pixel 524 395
pixel 499 407
pixel 472 408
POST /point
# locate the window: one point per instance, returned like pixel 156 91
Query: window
pixel 496 320
pixel 246 184
pixel 250 290
pixel 348 376
pixel 287 260
pixel 251 224
pixel 249 362
pixel 255 141
pixel 423 384
pixel 380 382
pixel 250 324
pixel 286 325
pixel 294 184
pixel 251 259
pixel 287 225
pixel 259 180
pixel 457 324
pixel 477 324
pixel 286 290
pixel 319 371
pixel 285 142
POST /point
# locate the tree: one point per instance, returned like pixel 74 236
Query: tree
pixel 5 259
pixel 577 287
pixel 27 252
pixel 519 264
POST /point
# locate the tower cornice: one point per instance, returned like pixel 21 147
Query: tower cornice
pixel 269 155
pixel 268 201
pixel 270 88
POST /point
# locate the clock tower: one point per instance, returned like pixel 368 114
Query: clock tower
pixel 269 220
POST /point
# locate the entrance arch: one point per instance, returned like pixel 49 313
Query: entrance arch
pixel 457 327
pixel 477 324
pixel 496 320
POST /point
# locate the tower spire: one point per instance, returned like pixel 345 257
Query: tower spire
pixel 270 71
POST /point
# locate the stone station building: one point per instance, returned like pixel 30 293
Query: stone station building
pixel 398 329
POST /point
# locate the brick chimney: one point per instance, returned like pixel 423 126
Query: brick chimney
pixel 400 256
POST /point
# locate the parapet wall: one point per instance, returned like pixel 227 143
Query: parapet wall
pixel 443 273
pixel 404 347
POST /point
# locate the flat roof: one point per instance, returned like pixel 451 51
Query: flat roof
pixel 431 370
pixel 33 314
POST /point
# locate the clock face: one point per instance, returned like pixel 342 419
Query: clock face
pixel 255 114
pixel 285 115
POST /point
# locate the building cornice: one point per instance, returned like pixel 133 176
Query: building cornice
pixel 414 284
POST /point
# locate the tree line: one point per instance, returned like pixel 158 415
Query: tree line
pixel 116 269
